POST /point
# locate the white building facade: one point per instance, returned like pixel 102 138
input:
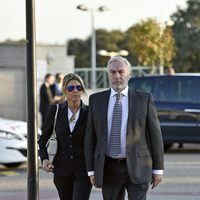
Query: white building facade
pixel 49 59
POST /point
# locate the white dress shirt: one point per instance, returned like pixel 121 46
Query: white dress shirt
pixel 111 103
pixel 72 123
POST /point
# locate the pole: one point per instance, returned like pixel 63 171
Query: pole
pixel 32 173
pixel 93 53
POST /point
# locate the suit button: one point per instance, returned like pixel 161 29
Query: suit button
pixel 70 146
pixel 71 157
pixel 70 135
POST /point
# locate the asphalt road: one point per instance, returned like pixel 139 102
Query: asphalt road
pixel 181 179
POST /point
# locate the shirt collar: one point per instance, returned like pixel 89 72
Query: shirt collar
pixel 124 91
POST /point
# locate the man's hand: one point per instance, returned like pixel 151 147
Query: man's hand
pixel 57 98
pixel 156 179
pixel 92 180
pixel 47 165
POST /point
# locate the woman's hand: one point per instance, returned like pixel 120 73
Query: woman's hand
pixel 47 165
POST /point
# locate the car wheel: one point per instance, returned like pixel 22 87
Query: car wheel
pixel 167 147
pixel 10 165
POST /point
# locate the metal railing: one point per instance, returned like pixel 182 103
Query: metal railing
pixel 102 78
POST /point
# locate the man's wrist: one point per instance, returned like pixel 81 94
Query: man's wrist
pixel 158 171
pixel 90 173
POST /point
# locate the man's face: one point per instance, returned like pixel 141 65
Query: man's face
pixel 51 80
pixel 118 75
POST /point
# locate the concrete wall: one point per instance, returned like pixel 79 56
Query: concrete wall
pixel 13 81
pixel 13 98
pixel 52 59
pixel 12 55
pixel 13 93
pixel 55 56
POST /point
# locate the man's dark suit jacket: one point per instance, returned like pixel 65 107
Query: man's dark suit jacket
pixel 53 90
pixel 70 155
pixel 144 146
pixel 44 100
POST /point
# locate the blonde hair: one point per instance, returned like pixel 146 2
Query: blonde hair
pixel 71 77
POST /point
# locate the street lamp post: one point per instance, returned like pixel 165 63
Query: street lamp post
pixel 121 52
pixel 93 52
pixel 93 40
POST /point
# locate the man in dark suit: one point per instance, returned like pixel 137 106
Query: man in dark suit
pixel 56 88
pixel 124 153
pixel 46 97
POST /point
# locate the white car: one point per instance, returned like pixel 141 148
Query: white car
pixel 13 142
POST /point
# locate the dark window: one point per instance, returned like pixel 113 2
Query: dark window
pixel 175 89
pixel 144 84
pixel 197 90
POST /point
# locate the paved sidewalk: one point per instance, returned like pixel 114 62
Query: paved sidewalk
pixel 96 195
pixel 181 180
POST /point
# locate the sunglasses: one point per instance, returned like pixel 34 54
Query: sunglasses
pixel 71 88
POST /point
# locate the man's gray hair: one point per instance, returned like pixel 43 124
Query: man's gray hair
pixel 119 59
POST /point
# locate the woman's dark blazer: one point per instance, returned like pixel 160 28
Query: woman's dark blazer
pixel 70 156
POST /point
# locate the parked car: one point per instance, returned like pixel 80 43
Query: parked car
pixel 177 99
pixel 13 142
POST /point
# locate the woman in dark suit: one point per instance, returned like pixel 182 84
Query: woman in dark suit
pixel 68 166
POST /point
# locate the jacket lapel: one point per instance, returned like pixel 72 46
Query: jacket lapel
pixel 104 114
pixel 64 114
pixel 82 115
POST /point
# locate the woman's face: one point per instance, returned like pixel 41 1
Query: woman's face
pixel 73 91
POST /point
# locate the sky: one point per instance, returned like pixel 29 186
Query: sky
pixel 58 20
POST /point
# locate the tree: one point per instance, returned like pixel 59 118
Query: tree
pixel 150 44
pixel 110 41
pixel 167 47
pixel 81 49
pixel 187 36
pixel 147 42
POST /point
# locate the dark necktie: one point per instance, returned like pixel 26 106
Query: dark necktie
pixel 115 134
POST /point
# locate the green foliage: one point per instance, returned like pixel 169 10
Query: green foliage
pixel 80 49
pixel 106 40
pixel 167 47
pixel 146 42
pixel 150 44
pixel 187 36
pixel 15 42
pixel 110 41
